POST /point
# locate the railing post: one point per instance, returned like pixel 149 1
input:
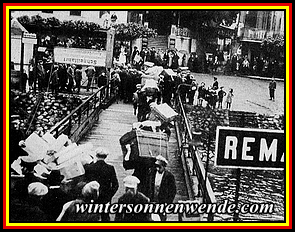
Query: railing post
pixel 70 127
pixel 208 154
pixel 79 117
pixel 87 112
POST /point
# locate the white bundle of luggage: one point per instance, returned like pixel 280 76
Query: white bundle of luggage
pixel 51 153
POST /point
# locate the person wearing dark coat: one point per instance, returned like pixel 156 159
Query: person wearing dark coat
pixel 141 166
pixel 88 194
pixel 132 160
pixel 132 197
pixel 215 84
pixel 105 175
pixel 162 186
pixel 16 135
pixel 26 206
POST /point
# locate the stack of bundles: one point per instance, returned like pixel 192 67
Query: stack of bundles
pixel 59 154
pixel 151 73
pixel 145 140
pixel 150 87
pixel 162 112
pixel 168 72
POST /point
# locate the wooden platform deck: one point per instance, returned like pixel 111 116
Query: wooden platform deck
pixel 114 122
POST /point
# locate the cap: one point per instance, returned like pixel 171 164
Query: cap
pixel 91 189
pixel 101 152
pixel 37 189
pixel 161 160
pixel 29 158
pixel 131 181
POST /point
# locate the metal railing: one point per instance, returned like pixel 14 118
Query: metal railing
pixel 72 123
pixel 195 168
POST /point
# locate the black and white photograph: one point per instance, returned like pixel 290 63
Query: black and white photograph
pixel 165 115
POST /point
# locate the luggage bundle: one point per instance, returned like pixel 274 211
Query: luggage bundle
pixel 162 112
pixel 58 154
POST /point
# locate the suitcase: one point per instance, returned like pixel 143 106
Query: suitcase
pixel 163 112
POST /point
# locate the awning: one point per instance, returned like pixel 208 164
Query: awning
pixel 16 27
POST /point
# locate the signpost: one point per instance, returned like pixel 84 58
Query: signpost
pixel 249 148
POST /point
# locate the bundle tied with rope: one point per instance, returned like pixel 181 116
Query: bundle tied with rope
pixel 152 144
pixel 144 143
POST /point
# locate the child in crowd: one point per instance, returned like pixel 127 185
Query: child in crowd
pixel 229 99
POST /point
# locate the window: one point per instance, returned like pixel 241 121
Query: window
pixel 75 12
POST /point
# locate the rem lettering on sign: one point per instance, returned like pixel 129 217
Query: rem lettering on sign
pixel 250 148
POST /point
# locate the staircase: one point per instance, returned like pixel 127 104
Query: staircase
pixel 159 42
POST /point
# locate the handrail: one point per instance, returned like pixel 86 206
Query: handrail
pixel 72 122
pixel 198 167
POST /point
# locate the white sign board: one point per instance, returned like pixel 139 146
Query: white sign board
pixel 80 56
pixel 29 38
pixel 250 148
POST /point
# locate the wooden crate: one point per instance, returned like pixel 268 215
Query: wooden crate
pixel 151 144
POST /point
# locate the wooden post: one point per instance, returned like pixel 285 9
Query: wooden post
pixel 238 175
pixel 207 161
pixel 22 66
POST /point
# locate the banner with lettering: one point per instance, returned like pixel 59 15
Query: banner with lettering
pixel 80 56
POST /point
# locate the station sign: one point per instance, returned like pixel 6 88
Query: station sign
pixel 80 56
pixel 29 38
pixel 250 148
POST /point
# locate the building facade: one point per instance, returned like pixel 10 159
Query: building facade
pixel 255 26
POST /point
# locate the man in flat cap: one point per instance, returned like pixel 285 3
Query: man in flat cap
pixel 132 197
pixel 105 175
pixel 29 207
pixel 162 186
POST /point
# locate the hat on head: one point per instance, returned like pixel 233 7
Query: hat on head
pixel 160 160
pixel 30 158
pixel 91 189
pixel 37 189
pixel 101 152
pixel 131 181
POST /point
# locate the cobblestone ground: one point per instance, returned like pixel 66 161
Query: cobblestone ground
pixel 250 94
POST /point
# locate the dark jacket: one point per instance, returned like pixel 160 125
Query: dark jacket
pixel 167 189
pixel 106 176
pixel 132 200
pixel 141 166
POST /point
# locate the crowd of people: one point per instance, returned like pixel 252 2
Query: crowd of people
pixel 39 196
pixel 161 81
pixel 165 88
